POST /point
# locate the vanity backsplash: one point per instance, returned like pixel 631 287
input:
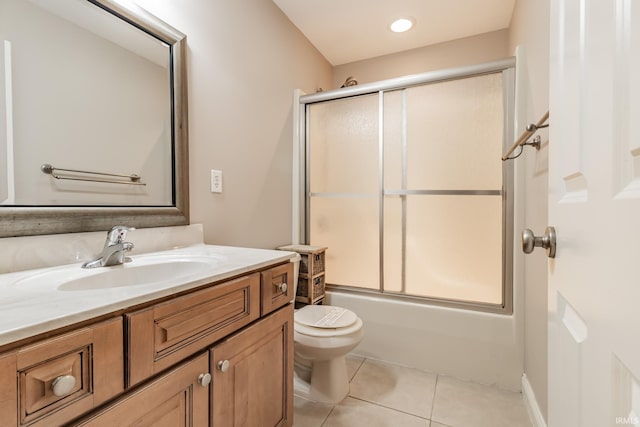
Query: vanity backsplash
pixel 31 252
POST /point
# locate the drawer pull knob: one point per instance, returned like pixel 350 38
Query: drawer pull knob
pixel 223 365
pixel 204 379
pixel 63 385
pixel 282 287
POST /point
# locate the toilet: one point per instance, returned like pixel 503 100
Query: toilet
pixel 323 335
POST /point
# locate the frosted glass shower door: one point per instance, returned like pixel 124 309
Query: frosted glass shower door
pixel 405 188
pixel 443 225
pixel 343 192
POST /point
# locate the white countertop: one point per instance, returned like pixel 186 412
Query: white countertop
pixel 31 302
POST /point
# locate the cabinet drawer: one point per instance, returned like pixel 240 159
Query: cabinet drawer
pixel 164 334
pixel 63 378
pixel 58 379
pixel 277 287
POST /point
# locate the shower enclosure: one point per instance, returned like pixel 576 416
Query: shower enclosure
pixel 405 186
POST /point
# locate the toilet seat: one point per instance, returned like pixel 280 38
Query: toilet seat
pixel 326 321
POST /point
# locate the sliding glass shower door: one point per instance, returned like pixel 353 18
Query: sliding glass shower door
pixel 343 188
pixel 405 187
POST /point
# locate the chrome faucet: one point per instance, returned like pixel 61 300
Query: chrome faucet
pixel 114 249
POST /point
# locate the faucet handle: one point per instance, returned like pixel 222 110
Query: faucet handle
pixel 118 233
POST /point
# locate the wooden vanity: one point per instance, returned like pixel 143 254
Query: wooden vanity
pixel 220 354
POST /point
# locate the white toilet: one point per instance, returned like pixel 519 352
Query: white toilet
pixel 323 335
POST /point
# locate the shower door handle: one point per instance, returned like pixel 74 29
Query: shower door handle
pixel 548 241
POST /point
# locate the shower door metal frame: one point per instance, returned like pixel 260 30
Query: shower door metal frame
pixel 506 67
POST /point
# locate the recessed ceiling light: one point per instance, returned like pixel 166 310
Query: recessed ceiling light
pixel 401 25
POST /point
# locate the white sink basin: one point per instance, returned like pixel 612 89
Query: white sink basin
pixel 136 275
pixel 151 271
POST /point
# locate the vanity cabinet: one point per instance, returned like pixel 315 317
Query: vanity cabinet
pixel 220 355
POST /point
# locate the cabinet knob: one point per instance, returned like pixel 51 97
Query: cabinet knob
pixel 223 365
pixel 282 287
pixel 204 379
pixel 63 385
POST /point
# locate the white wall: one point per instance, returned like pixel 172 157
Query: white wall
pixel 245 58
pixel 530 30
pixel 456 53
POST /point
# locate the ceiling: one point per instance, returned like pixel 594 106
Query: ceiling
pixel 350 30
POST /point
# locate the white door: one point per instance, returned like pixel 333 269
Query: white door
pixel 594 204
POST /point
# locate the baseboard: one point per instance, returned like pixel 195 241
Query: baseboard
pixel 532 404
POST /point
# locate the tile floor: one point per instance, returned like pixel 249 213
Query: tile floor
pixel 386 395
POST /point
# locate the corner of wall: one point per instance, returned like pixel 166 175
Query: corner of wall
pixel 519 187
pixel 537 419
pixel 528 39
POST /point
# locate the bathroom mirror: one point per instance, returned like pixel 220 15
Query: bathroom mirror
pixel 93 128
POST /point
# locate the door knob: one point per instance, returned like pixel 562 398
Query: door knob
pixel 548 241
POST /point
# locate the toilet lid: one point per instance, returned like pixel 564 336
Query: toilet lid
pixel 325 317
pixel 300 329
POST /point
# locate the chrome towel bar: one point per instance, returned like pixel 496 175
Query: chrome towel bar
pixel 132 179
pixel 522 141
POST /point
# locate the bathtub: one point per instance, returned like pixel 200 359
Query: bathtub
pixel 481 347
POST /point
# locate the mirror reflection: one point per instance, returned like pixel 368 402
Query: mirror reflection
pixel 83 91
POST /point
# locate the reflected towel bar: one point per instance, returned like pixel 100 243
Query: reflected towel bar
pixel 531 129
pixel 132 179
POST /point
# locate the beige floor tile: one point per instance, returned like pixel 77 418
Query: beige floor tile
pixel 458 403
pixel 357 413
pixel 396 387
pixel 353 364
pixel 309 414
pixel 435 424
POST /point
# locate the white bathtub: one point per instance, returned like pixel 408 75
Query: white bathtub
pixel 470 345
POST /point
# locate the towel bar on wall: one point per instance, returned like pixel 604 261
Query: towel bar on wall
pixel 522 141
pixel 132 179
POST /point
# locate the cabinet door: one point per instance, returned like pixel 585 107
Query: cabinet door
pixel 253 374
pixel 176 399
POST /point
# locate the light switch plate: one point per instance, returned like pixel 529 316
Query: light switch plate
pixel 216 181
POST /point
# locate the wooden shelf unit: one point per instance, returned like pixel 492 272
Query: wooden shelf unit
pixel 311 278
